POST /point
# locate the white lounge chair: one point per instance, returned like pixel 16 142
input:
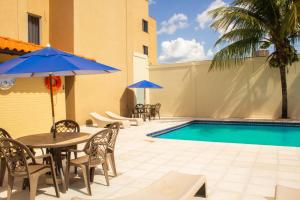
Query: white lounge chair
pixel 172 186
pixel 135 121
pixel 286 193
pixel 103 121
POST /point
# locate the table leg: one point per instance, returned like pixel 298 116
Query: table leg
pixel 59 167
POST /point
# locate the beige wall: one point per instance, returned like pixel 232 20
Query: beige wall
pixel 25 109
pixel 251 91
pixel 62 37
pixel 137 10
pixel 14 16
pixel 62 24
pixel 109 31
pixel 104 41
pixel 152 42
pixel 140 72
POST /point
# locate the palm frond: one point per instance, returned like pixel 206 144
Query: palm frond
pixel 235 53
pixel 239 34
pixel 291 20
pixel 224 17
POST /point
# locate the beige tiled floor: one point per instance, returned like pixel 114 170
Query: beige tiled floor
pixel 233 171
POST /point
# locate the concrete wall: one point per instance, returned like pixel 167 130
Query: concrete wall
pixel 250 91
pixel 104 41
pixel 62 37
pixel 140 72
pixel 25 109
pixel 14 17
pixel 109 31
pixel 152 42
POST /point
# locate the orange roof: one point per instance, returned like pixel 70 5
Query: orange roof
pixel 17 45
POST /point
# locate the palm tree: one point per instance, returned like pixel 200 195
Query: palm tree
pixel 251 25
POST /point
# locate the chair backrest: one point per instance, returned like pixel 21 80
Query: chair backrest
pixel 114 127
pixel 66 126
pixel 15 155
pixel 157 107
pixel 4 133
pixel 139 108
pixel 147 108
pixel 97 145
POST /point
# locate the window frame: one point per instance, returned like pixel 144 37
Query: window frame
pixel 145 50
pixel 145 26
pixel 30 39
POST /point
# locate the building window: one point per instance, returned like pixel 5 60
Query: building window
pixel 145 50
pixel 34 29
pixel 145 26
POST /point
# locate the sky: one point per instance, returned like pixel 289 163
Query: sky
pixel 183 29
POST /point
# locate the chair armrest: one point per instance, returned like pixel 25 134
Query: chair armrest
pixel 43 156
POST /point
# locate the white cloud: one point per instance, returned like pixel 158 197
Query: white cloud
pixel 177 21
pixel 203 18
pixel 210 53
pixel 152 2
pixel 181 50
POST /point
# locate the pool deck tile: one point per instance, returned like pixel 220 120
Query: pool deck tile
pixel 233 171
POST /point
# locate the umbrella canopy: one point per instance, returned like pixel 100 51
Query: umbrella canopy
pixel 51 62
pixel 144 84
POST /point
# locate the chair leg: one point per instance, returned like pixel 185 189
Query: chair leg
pixel 75 168
pixel 112 163
pixel 2 171
pixel 33 181
pixel 67 176
pixel 86 177
pixel 92 174
pixel 60 170
pixel 54 180
pixel 10 187
pixel 105 170
pixel 25 184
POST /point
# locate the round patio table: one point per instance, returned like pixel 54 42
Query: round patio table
pixel 46 140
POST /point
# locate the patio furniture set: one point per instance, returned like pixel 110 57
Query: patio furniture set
pixel 146 111
pixel 19 159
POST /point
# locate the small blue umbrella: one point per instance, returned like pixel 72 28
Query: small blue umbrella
pixel 145 84
pixel 51 62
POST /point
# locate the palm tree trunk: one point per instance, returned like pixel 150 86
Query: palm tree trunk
pixel 284 101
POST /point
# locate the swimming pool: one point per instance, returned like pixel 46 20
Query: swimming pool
pixel 278 134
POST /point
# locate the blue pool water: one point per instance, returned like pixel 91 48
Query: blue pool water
pixel 246 133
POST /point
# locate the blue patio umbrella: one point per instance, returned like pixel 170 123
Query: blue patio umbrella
pixel 51 62
pixel 145 84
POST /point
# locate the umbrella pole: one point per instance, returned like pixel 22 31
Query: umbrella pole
pixel 52 107
pixel 144 96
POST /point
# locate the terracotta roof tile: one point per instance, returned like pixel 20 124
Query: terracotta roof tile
pixel 17 45
pixel 21 46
